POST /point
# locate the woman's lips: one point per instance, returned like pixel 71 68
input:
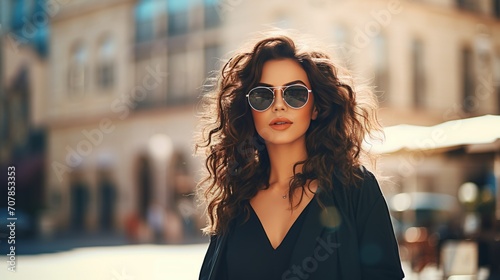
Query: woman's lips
pixel 280 123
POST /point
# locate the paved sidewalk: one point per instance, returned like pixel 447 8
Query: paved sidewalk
pixel 127 262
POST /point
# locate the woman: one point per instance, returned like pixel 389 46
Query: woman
pixel 286 194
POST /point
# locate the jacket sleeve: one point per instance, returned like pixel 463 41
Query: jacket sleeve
pixel 378 248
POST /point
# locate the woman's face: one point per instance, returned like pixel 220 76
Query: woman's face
pixel 281 124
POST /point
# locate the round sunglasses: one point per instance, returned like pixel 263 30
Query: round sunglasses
pixel 295 96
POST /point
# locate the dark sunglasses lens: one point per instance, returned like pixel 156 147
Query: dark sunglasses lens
pixel 296 96
pixel 260 98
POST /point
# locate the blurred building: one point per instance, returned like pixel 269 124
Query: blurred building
pixel 122 98
pixel 115 94
pixel 23 75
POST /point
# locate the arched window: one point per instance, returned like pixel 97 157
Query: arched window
pixel 77 75
pixel 79 201
pixel 107 195
pixel 144 184
pixel 105 68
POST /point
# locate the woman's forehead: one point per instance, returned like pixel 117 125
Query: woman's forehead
pixel 278 72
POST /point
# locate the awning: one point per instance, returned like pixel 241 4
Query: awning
pixel 477 134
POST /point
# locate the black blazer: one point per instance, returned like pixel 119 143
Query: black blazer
pixel 352 238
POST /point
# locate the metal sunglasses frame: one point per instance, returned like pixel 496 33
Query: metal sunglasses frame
pixel 283 89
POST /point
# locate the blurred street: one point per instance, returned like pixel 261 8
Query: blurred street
pixel 127 262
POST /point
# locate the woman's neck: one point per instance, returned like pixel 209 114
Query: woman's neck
pixel 282 158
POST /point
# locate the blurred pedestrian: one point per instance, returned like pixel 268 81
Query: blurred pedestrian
pixel 286 193
pixel 155 218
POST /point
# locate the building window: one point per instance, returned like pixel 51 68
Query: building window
pixel 5 15
pixel 496 8
pixel 178 17
pixel 18 9
pixel 471 5
pixel 144 20
pixel 342 41
pixel 211 54
pixel 381 69
pixel 496 80
pixel 105 68
pixel 418 65
pixel 5 143
pixel 211 14
pixel 178 77
pixel 77 70
pixel 185 77
pixel 4 121
pixel 17 116
pixel 468 102
pixel 151 20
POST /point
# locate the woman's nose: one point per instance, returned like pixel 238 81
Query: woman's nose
pixel 279 102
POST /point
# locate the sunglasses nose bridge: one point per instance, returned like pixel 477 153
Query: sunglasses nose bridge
pixel 279 89
pixel 281 101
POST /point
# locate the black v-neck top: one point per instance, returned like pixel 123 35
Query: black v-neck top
pixel 350 238
pixel 249 254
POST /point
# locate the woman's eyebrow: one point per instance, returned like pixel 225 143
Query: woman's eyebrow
pixel 287 84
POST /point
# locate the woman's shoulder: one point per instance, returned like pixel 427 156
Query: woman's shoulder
pixel 367 199
pixel 365 190
pixel 367 184
pixel 368 180
pixel 364 181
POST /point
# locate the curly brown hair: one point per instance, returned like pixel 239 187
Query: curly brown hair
pixel 237 163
